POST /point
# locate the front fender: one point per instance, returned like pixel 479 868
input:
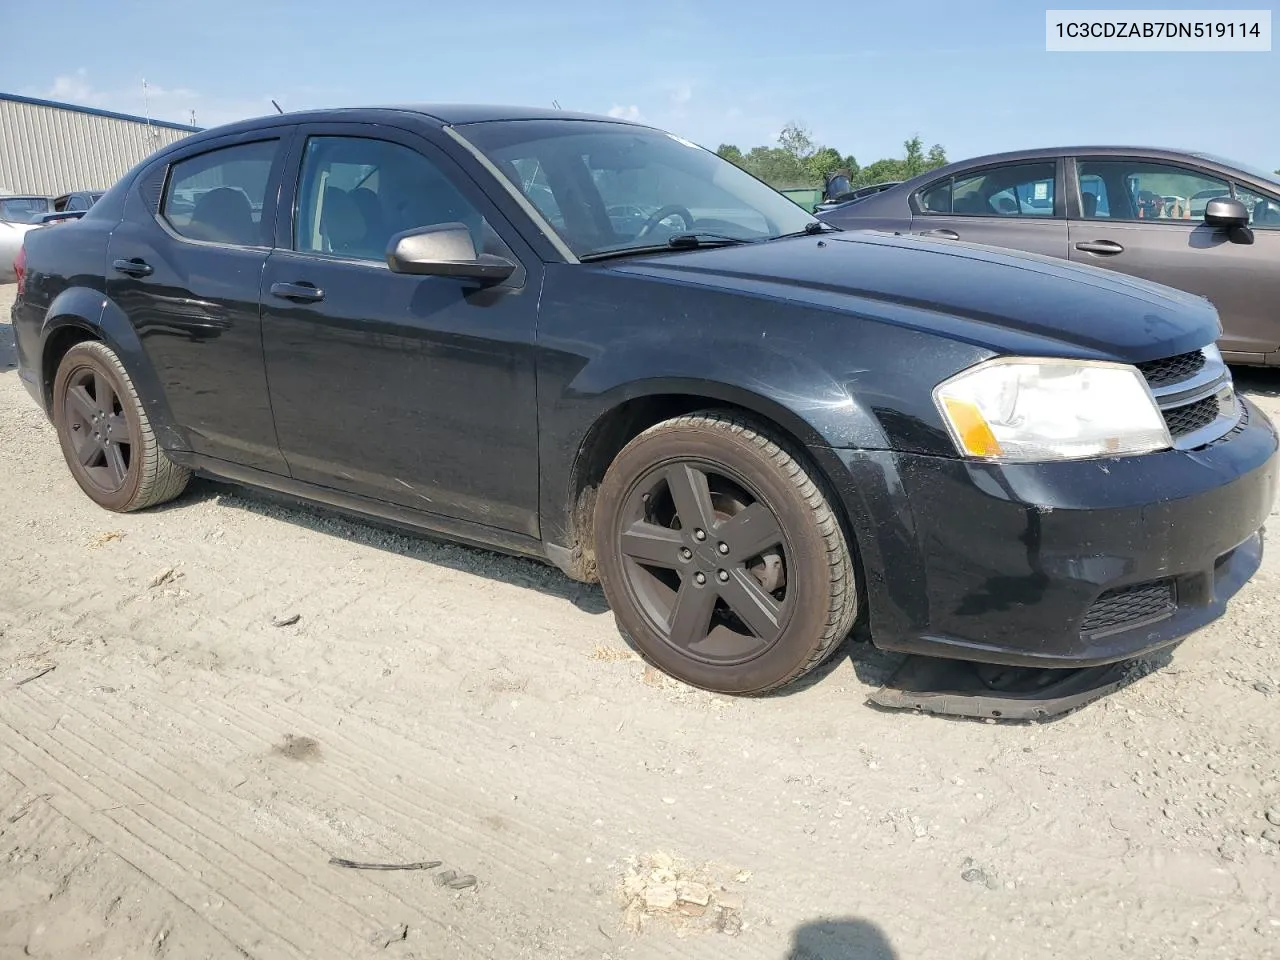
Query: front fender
pixel 85 309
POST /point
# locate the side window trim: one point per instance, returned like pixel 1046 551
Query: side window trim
pixel 1059 206
pixel 283 135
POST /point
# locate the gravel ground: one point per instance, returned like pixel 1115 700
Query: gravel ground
pixel 237 691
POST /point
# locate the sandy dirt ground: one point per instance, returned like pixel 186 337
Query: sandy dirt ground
pixel 239 690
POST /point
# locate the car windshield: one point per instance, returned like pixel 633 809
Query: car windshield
pixel 611 188
pixel 1271 178
pixel 23 209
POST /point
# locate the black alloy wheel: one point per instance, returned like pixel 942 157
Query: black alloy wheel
pixel 720 556
pixel 105 435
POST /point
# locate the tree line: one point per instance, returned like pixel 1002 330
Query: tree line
pixel 797 161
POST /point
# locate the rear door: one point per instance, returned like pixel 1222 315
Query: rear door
pixel 1136 215
pixel 1017 205
pixel 185 266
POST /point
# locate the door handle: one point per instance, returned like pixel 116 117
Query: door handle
pixel 136 267
pixel 1105 247
pixel 942 233
pixel 302 292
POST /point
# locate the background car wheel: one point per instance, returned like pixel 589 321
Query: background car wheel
pixel 105 435
pixel 720 556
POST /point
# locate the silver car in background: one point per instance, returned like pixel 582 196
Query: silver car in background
pixel 17 216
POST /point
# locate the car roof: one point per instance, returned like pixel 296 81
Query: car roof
pixel 1094 150
pixel 436 114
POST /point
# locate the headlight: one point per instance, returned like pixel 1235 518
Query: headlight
pixel 1016 409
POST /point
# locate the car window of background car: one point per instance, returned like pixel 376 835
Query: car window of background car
pixel 356 193
pixel 24 209
pixel 1093 196
pixel 609 179
pixel 1264 211
pixel 1013 190
pixel 1148 190
pixel 218 196
pixel 77 202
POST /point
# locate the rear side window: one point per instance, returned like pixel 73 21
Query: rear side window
pixel 219 196
pixel 1014 190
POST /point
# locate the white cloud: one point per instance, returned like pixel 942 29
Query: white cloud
pixel 160 102
pixel 619 112
pixel 682 94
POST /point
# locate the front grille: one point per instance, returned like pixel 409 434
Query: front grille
pixel 1127 607
pixel 1170 370
pixel 1188 419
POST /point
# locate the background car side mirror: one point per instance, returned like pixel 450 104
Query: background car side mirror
pixel 1231 215
pixel 444 250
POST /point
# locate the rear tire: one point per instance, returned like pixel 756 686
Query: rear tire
pixel 721 557
pixel 105 435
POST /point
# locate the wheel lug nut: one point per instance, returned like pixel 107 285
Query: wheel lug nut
pixel 699 534
pixel 685 553
pixel 723 548
pixel 723 575
pixel 699 578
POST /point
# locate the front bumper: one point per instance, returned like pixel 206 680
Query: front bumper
pixel 1058 565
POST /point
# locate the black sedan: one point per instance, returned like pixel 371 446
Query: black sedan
pixel 752 429
pixel 1196 222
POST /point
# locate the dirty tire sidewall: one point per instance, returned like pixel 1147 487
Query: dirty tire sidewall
pixel 818 567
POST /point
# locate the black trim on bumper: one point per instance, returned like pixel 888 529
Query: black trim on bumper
pixel 1002 564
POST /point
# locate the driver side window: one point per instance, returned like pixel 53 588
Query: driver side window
pixel 356 193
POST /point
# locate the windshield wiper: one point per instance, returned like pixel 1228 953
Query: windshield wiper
pixel 681 241
pixel 810 230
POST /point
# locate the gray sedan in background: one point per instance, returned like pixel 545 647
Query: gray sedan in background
pixel 1190 220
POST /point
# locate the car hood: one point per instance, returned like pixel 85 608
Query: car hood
pixel 1007 301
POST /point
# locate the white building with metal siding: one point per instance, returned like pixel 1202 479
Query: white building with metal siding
pixel 49 148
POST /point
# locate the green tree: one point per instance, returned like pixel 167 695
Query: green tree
pixel 730 152
pixel 822 163
pixel 913 162
pixel 775 166
pixel 880 171
pixel 937 157
pixel 797 141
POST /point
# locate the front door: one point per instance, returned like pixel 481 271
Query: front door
pixel 419 391
pixel 1144 217
pixel 184 265
pixel 1016 205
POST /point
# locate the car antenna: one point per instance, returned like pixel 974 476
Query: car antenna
pixel 277 106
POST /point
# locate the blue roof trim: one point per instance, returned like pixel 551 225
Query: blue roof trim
pixel 95 112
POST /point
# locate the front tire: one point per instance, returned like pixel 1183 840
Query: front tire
pixel 105 435
pixel 720 556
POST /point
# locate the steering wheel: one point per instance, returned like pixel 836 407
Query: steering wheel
pixel 670 210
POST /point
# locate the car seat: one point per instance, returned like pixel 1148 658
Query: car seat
pixel 223 215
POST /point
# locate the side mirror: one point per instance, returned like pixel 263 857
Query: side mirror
pixel 444 250
pixel 1225 212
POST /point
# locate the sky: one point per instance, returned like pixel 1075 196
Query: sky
pixel 861 77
